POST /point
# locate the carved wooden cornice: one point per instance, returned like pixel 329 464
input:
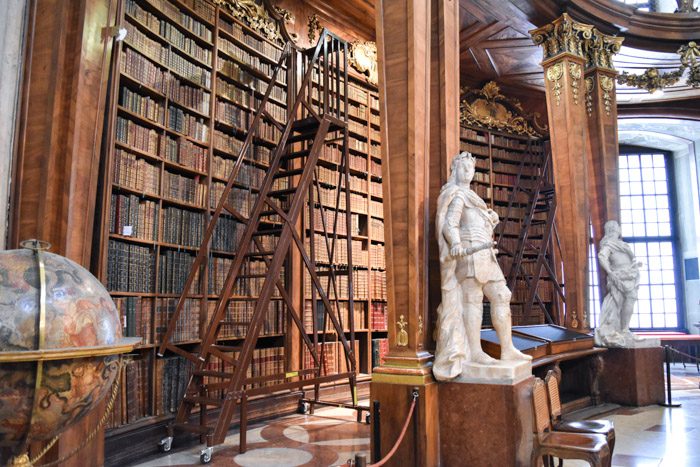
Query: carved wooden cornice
pixel 488 108
pixel 256 16
pixel 363 58
pixel 562 36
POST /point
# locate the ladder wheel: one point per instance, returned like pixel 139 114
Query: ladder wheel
pixel 304 407
pixel 368 418
pixel 205 456
pixel 165 444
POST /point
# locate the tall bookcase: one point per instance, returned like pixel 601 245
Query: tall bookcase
pixel 186 80
pixel 509 147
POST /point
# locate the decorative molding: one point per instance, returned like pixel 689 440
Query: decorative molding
pixel 363 58
pixel 600 49
pixel 254 15
pixel 589 95
pixel 488 108
pixel 402 335
pixel 314 27
pixel 653 80
pixel 607 84
pixel 286 15
pixel 554 74
pixel 685 6
pixel 575 73
pixel 562 36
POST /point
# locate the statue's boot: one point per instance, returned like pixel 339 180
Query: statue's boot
pixel 474 314
pixel 500 315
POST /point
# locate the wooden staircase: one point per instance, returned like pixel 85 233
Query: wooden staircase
pixel 318 115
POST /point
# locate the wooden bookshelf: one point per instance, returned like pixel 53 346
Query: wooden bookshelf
pixel 186 81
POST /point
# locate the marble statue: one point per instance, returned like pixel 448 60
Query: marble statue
pixel 617 259
pixel 468 271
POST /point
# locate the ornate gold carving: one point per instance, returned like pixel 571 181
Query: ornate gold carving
pixel 488 108
pixel 652 80
pixel 607 85
pixel 685 6
pixel 554 74
pixel 255 16
pixel 561 36
pixel 575 73
pixel 600 49
pixel 402 337
pixel 314 27
pixel 420 325
pixel 286 15
pixel 363 57
pixel 589 95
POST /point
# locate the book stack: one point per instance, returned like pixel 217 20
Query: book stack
pixel 139 68
pixel 379 316
pixel 185 189
pixel 135 314
pixel 174 267
pixel 182 227
pixel 184 152
pixel 130 268
pixel 132 402
pixel 187 328
pixel 136 136
pixel 380 347
pixel 145 106
pixel 172 375
pixel 379 285
pixel 133 216
pixel 188 96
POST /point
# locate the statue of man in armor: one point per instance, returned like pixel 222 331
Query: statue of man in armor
pixel 469 270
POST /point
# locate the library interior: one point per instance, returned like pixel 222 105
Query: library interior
pixel 350 233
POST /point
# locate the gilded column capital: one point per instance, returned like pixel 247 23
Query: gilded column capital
pixel 600 49
pixel 562 36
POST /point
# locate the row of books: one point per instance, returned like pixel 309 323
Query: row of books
pixel 203 8
pixel 375 168
pixel 188 96
pixel 227 234
pixel 506 194
pixel 243 79
pixel 375 150
pixel 521 293
pixel 183 152
pixel 378 285
pixel 145 106
pixel 166 57
pixel 504 179
pixel 358 145
pixel 508 142
pixel 234 93
pixel 135 173
pixel 250 59
pixel 332 356
pixel 232 115
pixel 360 283
pixel 376 189
pixel 174 267
pixel 375 134
pixel 474 149
pixel 187 124
pixel 187 325
pixel 504 167
pixel 374 119
pixel 484 191
pixel 377 259
pixel 138 67
pixel 172 376
pixel 182 227
pixel 132 402
pixel 136 317
pixel 376 209
pixel 377 226
pixel 374 102
pixel 136 136
pixel 245 285
pixel 185 189
pixel 360 257
pixel 469 133
pixel 238 198
pixel 130 268
pixel 378 316
pixel 357 110
pixel 262 46
pixel 340 310
pixel 513 156
pixel 133 216
pixel 241 311
pixel 334 221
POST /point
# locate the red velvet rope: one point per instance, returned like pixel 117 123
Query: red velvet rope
pixel 386 458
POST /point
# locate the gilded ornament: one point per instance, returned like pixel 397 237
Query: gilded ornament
pixel 600 49
pixel 653 80
pixel 607 85
pixel 286 15
pixel 589 95
pixel 420 325
pixel 255 16
pixel 314 27
pixel 402 337
pixel 363 57
pixel 685 6
pixel 562 36
pixel 554 74
pixel 575 74
pixel 488 108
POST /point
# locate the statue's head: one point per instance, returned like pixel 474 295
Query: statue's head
pixel 612 228
pixel 462 170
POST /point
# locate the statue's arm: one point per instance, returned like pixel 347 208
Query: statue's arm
pixel 604 259
pixel 451 227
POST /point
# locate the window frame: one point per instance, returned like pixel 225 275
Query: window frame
pixel 673 238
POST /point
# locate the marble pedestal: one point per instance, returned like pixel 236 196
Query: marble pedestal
pixel 501 372
pixel 486 424
pixel 633 376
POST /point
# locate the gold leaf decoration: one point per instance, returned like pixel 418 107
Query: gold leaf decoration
pixel 554 74
pixel 363 57
pixel 255 16
pixel 589 95
pixel 488 108
pixel 575 74
pixel 607 85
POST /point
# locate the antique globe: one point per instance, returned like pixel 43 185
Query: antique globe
pixel 60 340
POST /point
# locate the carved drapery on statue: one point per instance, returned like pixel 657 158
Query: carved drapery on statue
pixel 488 108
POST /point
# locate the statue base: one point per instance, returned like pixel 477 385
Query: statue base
pixel 633 376
pixel 486 424
pixel 628 340
pixel 501 372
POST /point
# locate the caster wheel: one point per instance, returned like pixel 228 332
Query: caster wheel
pixel 165 444
pixel 367 419
pixel 205 456
pixel 304 408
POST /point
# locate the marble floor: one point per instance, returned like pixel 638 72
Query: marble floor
pixel 646 436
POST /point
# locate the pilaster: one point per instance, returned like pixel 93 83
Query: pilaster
pixel 563 62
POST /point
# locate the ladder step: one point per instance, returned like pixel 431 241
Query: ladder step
pixel 306 136
pixel 258 254
pixel 303 125
pixel 284 192
pixel 227 348
pixel 204 401
pixel 212 374
pixel 260 233
pixel 294 155
pixel 289 173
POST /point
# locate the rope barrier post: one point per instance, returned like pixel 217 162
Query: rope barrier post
pixel 669 402
pixel 360 460
pixel 376 432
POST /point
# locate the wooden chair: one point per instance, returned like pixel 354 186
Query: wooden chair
pixel 590 448
pixel 596 427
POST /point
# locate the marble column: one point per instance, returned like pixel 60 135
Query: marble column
pixel 563 63
pixel 601 113
pixel 418 45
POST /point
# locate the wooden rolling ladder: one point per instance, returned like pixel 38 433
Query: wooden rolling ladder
pixel 541 200
pixel 318 115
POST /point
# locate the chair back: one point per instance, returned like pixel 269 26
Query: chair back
pixel 553 393
pixel 540 406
